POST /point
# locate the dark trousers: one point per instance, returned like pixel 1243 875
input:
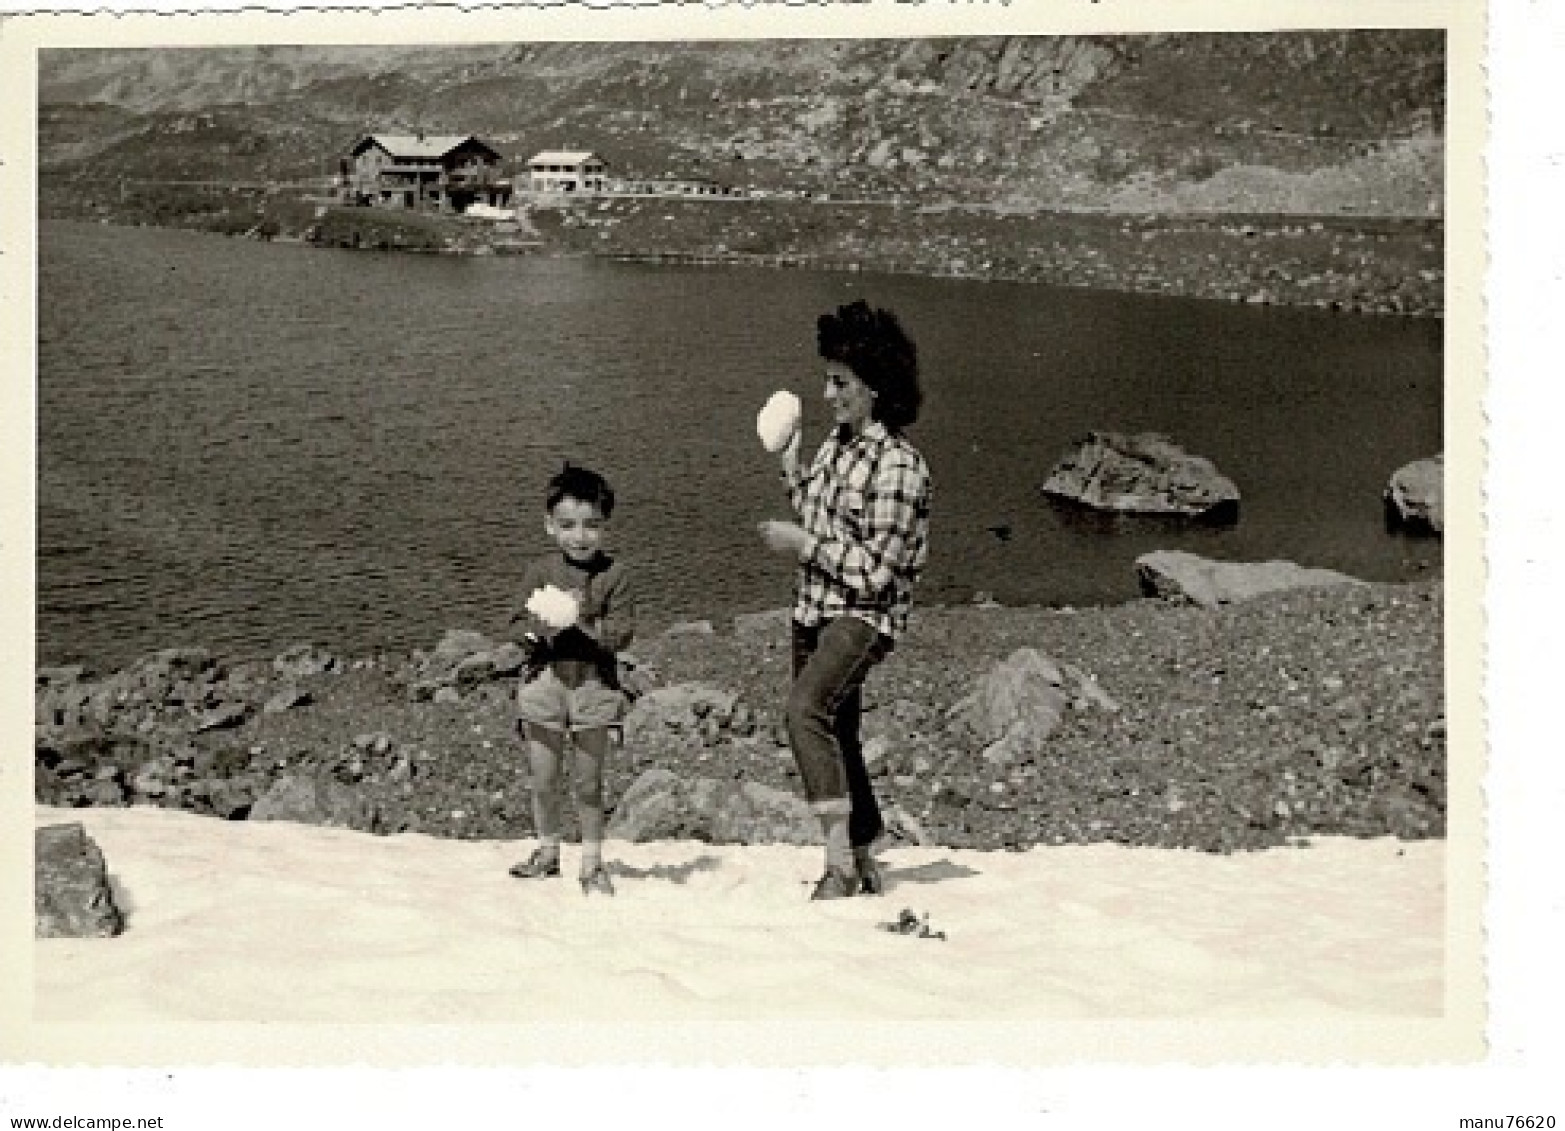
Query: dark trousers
pixel 830 662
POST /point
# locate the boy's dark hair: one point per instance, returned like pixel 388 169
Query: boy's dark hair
pixel 872 343
pixel 583 485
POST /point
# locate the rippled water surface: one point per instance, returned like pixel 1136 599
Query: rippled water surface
pixel 246 445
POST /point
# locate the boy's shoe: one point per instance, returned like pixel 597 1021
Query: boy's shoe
pixel 597 880
pixel 540 865
pixel 835 884
pixel 871 881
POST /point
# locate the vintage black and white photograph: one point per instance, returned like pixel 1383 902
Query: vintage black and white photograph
pixel 859 528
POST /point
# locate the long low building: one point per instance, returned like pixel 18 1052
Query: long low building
pixel 560 171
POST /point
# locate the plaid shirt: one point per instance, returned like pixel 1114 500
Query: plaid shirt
pixel 864 501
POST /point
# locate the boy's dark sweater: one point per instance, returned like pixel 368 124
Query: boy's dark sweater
pixel 607 621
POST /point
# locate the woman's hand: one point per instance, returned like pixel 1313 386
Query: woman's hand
pixel 790 453
pixel 785 537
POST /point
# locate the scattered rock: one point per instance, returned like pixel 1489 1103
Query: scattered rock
pixel 909 922
pixel 1175 575
pixel 151 780
pixel 773 624
pixel 71 896
pixel 1089 693
pixel 304 660
pixel 423 690
pixel 310 800
pixel 287 700
pixel 59 675
pixel 655 807
pixel 1415 496
pixel 506 660
pixel 903 825
pixel 171 664
pixel 459 643
pixel 685 709
pixel 224 717
pixel 660 805
pixel 233 798
pixel 462 661
pixel 1145 473
pixel 473 670
pixel 375 743
pixel 690 628
pixel 1016 706
pixel 103 793
pixel 752 813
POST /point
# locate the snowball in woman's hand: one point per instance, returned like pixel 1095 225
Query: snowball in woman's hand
pixel 778 421
pixel 554 606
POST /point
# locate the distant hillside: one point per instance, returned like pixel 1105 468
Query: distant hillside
pixel 1288 122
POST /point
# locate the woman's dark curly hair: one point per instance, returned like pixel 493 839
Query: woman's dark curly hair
pixel 873 344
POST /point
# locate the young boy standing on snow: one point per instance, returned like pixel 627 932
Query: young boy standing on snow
pixel 578 613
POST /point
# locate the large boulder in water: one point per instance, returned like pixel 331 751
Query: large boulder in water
pixel 1415 497
pixel 71 897
pixel 1191 579
pixel 1144 473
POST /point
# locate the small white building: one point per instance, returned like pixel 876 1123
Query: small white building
pixel 566 171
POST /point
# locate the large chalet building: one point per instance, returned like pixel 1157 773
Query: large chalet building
pixel 433 172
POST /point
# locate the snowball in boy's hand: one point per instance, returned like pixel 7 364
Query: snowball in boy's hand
pixel 554 606
pixel 778 421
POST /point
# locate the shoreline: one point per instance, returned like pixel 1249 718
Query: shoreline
pixel 1205 745
pixel 1382 265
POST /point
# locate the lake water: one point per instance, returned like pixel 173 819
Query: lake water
pixel 247 446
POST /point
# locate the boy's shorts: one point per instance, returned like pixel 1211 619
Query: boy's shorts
pixel 546 701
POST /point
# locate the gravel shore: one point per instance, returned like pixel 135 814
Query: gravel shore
pixel 1314 712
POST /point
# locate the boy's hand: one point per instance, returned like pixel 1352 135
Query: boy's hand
pixel 785 537
pixel 557 608
pixel 537 649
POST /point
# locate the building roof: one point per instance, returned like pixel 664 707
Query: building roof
pixel 563 157
pixel 425 146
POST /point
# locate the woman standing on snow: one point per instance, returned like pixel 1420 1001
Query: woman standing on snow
pixel 861 539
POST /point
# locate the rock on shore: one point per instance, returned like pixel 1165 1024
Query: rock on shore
pixel 71 896
pixel 661 805
pixel 1175 575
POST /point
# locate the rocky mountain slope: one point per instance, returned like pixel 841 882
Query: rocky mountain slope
pixel 1291 122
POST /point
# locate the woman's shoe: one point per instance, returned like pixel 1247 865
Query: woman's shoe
pixel 835 884
pixel 540 865
pixel 597 880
